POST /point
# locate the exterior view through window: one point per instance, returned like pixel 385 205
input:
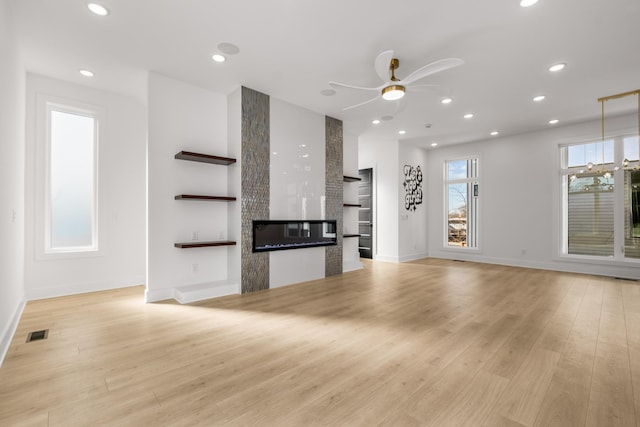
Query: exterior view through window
pixel 71 189
pixel 461 189
pixel 597 177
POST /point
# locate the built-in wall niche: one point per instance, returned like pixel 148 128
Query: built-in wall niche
pixel 293 234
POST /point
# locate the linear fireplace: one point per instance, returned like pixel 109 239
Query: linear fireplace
pixel 291 234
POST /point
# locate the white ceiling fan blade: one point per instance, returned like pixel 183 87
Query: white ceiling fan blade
pixel 382 64
pixel 361 104
pixel 401 104
pixel 425 88
pixel 337 85
pixel 434 67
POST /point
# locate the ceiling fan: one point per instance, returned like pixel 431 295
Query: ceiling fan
pixel 393 87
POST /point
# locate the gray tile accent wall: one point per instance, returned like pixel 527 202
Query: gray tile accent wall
pixel 333 191
pixel 255 186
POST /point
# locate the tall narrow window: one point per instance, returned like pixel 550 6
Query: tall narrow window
pixel 71 203
pixel 461 189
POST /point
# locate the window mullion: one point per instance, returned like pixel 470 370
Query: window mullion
pixel 618 205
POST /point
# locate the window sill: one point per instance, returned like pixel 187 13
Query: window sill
pixel 93 253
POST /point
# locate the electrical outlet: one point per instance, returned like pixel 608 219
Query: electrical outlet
pixel 196 267
pixel 222 235
pixel 194 236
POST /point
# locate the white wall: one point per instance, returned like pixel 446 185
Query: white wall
pixel 12 87
pixel 189 118
pixel 121 197
pixel 383 157
pixel 297 181
pixel 519 202
pixel 412 227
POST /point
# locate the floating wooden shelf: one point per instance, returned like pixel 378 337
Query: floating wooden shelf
pixel 352 205
pixel 196 244
pixel 208 198
pixel 350 235
pixel 346 178
pixel 204 158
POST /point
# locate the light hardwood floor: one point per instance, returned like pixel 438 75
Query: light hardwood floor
pixel 427 343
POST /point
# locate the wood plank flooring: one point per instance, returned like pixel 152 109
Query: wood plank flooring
pixel 427 343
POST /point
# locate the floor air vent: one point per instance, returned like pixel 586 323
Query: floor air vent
pixel 38 335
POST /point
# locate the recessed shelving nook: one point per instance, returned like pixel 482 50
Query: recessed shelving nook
pixel 350 223
pixel 204 158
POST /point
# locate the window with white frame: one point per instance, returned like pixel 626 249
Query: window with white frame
pixel 71 190
pixel 600 210
pixel 461 188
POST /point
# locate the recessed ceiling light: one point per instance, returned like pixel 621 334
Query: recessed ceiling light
pixel 87 73
pixel 557 67
pixel 327 92
pixel 98 9
pixel 446 100
pixel 527 3
pixel 468 115
pixel 539 98
pixel 494 133
pixel 218 57
pixel 402 132
pixel 228 48
pixel 386 118
pixel 434 144
pixel 553 121
pixel 375 122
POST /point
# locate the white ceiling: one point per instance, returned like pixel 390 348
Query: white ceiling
pixel 291 49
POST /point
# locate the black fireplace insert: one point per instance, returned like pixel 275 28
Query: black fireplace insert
pixel 293 234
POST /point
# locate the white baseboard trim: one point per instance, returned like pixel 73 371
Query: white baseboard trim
pixel 155 295
pixel 204 291
pixel 351 266
pixel 385 258
pixel 193 293
pixel 412 257
pixel 565 267
pixel 10 330
pixel 82 288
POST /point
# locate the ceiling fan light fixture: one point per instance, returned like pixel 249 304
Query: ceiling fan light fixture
pixel 393 92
